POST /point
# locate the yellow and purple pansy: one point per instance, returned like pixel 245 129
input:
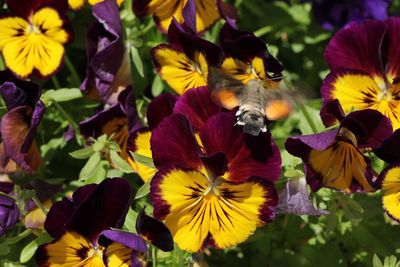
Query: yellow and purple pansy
pixel 108 70
pixel 364 62
pixel 18 150
pixel 184 63
pixel 85 228
pixel 246 57
pixel 77 4
pixel 33 36
pixel 389 179
pixel 163 12
pixel 335 158
pixel 214 185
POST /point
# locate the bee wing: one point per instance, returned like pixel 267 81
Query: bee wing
pixel 224 89
pixel 279 104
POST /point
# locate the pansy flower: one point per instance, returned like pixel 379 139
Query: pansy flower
pixel 33 36
pixel 9 212
pixel 139 140
pixel 335 14
pixel 389 179
pixel 335 158
pixel 77 4
pixel 364 63
pixel 247 57
pixel 117 121
pixel 207 12
pixel 18 150
pixel 184 63
pixel 108 71
pixel 85 231
pixel 214 189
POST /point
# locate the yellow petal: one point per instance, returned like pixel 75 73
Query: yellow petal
pixel 391 191
pixel 11 28
pixel 76 4
pixel 357 91
pixel 118 255
pixel 206 14
pixel 72 250
pixel 142 147
pixel 165 10
pixel 198 210
pixel 179 71
pixel 339 164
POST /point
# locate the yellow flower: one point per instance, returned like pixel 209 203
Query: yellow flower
pixel 77 4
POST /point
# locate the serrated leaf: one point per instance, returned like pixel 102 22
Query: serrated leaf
pixel 119 162
pixel 376 262
pixel 29 250
pixel 62 94
pixel 157 86
pixel 137 60
pixel 144 190
pixel 146 161
pixel 90 167
pixel 82 153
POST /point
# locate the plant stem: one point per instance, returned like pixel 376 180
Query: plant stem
pixel 66 116
pixel 304 110
pixel 16 239
pixel 153 256
pixel 180 257
pixel 56 82
pixel 75 77
pixel 40 205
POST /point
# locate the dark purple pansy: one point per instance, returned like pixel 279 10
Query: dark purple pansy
pixel 335 158
pixel 19 124
pixel 108 71
pixel 9 214
pixel 335 14
pixel 294 199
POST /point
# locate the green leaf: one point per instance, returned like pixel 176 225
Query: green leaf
pixel 90 167
pixel 4 248
pixel 62 95
pixel 376 262
pixel 146 161
pixel 29 250
pixel 119 162
pixel 82 153
pixel 144 190
pixel 157 86
pixel 293 173
pixel 137 60
pixel 130 220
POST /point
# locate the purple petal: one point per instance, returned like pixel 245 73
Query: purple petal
pixel 196 104
pixel 331 112
pixel 9 214
pixel 106 207
pixel 173 142
pixel 389 151
pixel 127 239
pixel 37 116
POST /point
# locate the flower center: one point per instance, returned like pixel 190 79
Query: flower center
pixel 196 67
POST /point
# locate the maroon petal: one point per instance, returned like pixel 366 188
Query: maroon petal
pixel 331 112
pixel 62 211
pixel 140 7
pixel 389 151
pixel 191 43
pixel 106 207
pixel 14 131
pixel 247 155
pixel 369 126
pixel 196 104
pixel 154 231
pixel 358 47
pixel 36 118
pixel 173 142
pixel 159 108
pixel 393 57
pixel 24 8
